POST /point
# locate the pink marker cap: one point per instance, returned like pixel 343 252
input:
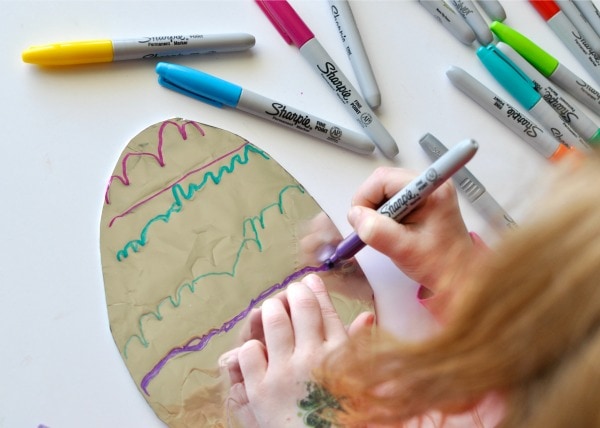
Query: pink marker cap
pixel 286 21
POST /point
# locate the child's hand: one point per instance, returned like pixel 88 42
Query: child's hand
pixel 429 240
pixel 271 375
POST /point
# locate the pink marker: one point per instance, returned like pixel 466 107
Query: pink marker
pixel 294 30
pixel 569 35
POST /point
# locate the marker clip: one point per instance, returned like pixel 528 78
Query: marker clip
pixel 502 57
pixel 198 85
pixel 188 92
pixel 509 75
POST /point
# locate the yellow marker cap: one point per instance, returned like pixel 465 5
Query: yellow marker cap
pixel 70 53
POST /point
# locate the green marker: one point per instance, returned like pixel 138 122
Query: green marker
pixel 549 66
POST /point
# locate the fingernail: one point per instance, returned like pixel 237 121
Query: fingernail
pixel 224 361
pixel 370 320
pixel 353 214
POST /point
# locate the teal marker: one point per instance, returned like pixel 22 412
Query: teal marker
pixel 566 108
pixel 549 66
pixel 522 88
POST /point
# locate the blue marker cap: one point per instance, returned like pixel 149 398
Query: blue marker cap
pixel 509 75
pixel 198 85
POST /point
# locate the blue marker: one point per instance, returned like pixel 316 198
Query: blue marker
pixel 217 92
pixel 522 88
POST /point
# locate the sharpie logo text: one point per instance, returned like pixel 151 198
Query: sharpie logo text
pixel 394 208
pixel 530 129
pixel 591 92
pixel 330 73
pixel 558 106
pixel 585 46
pixel 280 111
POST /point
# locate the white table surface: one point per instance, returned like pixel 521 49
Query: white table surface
pixel 63 130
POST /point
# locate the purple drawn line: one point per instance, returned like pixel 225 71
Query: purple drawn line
pixel 143 201
pixel 158 156
pixel 199 342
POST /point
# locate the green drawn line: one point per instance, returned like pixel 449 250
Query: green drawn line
pixel 250 225
pixel 180 195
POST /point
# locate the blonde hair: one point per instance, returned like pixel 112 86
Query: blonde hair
pixel 525 325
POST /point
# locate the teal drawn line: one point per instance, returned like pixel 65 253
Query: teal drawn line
pixel 249 226
pixel 179 195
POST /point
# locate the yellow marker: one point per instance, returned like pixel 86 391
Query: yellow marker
pixel 97 51
pixel 70 53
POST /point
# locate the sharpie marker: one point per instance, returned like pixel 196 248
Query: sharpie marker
pixel 590 12
pixel 570 113
pixel 294 30
pixel 493 9
pixel 447 16
pixel 409 198
pixel 549 66
pixel 218 92
pixel 510 116
pixel 469 12
pixel 353 45
pixel 578 20
pixel 471 187
pixel 522 88
pixel 568 34
pixel 96 51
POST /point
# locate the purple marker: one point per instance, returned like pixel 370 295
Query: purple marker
pixel 407 199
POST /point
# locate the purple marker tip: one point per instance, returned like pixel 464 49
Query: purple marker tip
pixel 345 250
pixel 411 196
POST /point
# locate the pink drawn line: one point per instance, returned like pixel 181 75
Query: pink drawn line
pixel 143 201
pixel 158 156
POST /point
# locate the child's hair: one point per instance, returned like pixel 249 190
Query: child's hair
pixel 525 326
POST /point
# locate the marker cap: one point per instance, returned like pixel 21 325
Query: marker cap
pixel 561 152
pixel 509 75
pixel 595 139
pixel 540 59
pixel 70 53
pixel 545 8
pixel 286 21
pixel 198 85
